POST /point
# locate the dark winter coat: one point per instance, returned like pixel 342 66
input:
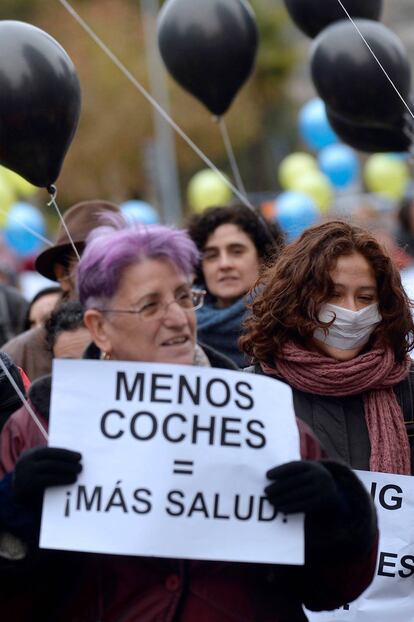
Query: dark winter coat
pixel 30 351
pixel 339 422
pixel 340 563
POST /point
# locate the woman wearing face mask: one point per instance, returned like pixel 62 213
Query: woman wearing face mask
pixel 234 244
pixel 334 322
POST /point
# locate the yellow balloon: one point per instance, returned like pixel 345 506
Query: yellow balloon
pixel 207 189
pixel 21 187
pixel 293 166
pixel 386 175
pixel 7 198
pixel 317 186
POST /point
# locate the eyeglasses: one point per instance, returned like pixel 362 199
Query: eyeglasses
pixel 188 300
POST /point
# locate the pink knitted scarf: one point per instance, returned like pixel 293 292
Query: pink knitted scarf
pixel 373 374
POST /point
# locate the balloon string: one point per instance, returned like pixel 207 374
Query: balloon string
pixel 53 192
pixel 24 400
pixel 237 175
pixel 154 102
pixel 37 235
pixel 377 59
pixel 231 156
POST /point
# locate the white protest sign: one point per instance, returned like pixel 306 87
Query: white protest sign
pixel 174 462
pixel 390 597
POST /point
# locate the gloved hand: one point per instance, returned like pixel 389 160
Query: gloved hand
pixel 303 486
pixel 40 468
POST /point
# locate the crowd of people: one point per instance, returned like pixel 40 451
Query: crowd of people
pixel 326 315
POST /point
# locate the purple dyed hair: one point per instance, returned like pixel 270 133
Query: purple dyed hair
pixel 111 249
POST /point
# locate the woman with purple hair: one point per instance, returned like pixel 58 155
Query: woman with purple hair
pixel 136 287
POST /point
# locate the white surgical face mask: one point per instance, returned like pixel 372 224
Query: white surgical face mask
pixel 350 329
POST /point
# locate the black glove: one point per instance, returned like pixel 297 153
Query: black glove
pixel 303 486
pixel 41 467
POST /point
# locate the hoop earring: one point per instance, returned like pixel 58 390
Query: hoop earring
pixel 105 356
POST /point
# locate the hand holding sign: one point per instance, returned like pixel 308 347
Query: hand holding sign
pixel 41 467
pixel 189 451
pixel 303 486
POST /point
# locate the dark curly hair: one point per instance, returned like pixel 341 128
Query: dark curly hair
pixel 66 317
pixel 292 290
pixel 266 236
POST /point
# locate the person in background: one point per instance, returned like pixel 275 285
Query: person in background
pixel 376 214
pixel 41 306
pixel 135 284
pixel 67 337
pixel 13 309
pixel 10 401
pixel 333 321
pixel 405 230
pixel 57 263
pixel 8 274
pixel 66 333
pixel 235 244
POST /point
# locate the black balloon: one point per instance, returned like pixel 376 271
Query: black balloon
pixel 40 102
pixel 209 47
pixel 372 139
pixel 312 16
pixel 349 79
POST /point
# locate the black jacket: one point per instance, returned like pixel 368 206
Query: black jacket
pixel 339 422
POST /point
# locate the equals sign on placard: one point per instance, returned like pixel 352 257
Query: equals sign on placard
pixel 183 467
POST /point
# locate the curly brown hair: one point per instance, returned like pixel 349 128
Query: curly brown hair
pixel 291 291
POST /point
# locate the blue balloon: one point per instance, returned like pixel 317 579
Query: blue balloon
pixel 24 241
pixel 139 211
pixel 314 126
pixel 295 212
pixel 340 164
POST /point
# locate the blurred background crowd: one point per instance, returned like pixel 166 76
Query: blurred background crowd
pixel 296 169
